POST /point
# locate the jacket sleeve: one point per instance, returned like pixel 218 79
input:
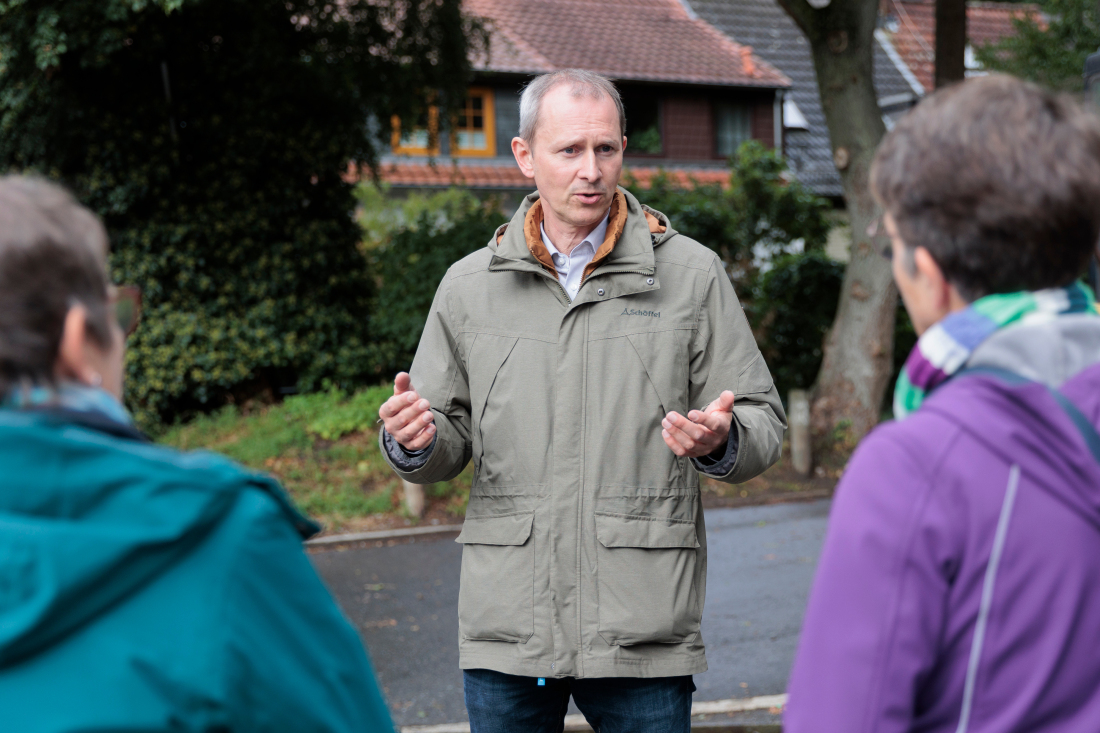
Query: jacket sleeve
pixel 439 375
pixel 725 356
pixel 293 662
pixel 876 613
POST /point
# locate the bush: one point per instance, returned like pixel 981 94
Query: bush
pixel 760 215
pixel 409 265
pixel 792 309
pixel 210 135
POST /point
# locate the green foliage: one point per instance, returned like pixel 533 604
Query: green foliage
pixel 335 482
pixel 1050 52
pixel 358 414
pixel 761 214
pixel 792 309
pixel 210 136
pixel 412 261
pixel 647 141
pixel 381 215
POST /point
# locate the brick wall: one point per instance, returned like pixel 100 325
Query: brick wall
pixel 688 128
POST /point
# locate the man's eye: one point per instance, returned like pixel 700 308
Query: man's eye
pixel 606 149
pixel 569 151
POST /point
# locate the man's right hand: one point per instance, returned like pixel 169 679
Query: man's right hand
pixel 407 417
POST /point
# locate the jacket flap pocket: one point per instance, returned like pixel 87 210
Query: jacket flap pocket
pixel 499 529
pixel 629 530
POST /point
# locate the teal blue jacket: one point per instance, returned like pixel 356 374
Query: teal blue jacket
pixel 144 589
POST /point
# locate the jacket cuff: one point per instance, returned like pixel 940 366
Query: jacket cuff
pixel 721 461
pixel 406 460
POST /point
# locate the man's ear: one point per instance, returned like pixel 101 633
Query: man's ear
pixel 931 278
pixel 72 358
pixel 522 151
pixel 624 143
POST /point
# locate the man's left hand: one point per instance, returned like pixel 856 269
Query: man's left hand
pixel 700 433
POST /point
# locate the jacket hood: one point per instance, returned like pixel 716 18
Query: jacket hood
pixel 634 248
pixel 1006 399
pixel 87 518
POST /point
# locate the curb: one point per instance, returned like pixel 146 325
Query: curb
pixel 383 534
pixel 578 723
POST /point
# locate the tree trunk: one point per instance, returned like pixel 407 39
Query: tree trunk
pixel 858 351
pixel 950 41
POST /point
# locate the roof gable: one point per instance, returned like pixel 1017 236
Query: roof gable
pixel 644 40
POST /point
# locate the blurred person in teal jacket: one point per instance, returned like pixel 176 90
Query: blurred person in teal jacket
pixel 140 588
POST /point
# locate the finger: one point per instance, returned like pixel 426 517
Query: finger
pixel 695 430
pixel 402 383
pixel 422 440
pixel 673 444
pixel 396 404
pixel 715 421
pixel 688 443
pixel 414 417
pixel 412 428
pixel 724 403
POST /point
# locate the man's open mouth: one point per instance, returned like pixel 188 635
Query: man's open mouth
pixel 589 198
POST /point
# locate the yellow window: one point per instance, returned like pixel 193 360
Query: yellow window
pixel 423 139
pixel 474 132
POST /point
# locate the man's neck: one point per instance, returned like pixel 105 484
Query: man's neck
pixel 564 236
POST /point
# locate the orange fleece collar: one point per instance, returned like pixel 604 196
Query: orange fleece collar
pixel 532 233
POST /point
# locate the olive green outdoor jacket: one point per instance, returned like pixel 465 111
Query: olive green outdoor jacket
pixel 584 545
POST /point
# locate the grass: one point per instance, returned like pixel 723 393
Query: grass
pixel 324 449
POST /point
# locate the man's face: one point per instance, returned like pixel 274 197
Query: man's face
pixel 576 157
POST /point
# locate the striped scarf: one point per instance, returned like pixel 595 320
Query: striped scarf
pixel 946 347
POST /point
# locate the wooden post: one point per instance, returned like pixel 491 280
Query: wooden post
pixel 414 498
pixel 798 420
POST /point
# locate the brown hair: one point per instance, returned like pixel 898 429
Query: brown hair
pixel 999 180
pixel 53 255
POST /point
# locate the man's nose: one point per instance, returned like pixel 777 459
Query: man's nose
pixel 589 171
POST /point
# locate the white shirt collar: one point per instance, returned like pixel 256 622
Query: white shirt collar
pixel 595 237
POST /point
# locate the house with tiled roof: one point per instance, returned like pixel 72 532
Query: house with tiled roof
pixel 911 26
pixel 692 94
pixel 765 27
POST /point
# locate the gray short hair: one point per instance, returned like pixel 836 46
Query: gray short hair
pixel 582 83
pixel 53 253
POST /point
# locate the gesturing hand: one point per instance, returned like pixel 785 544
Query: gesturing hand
pixel 407 417
pixel 700 433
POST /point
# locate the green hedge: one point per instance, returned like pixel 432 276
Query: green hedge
pixel 408 269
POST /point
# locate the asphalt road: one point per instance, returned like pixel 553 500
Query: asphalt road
pixel 402 596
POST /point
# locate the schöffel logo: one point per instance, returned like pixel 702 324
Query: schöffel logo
pixel 632 312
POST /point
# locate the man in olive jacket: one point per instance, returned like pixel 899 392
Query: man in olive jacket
pixel 592 362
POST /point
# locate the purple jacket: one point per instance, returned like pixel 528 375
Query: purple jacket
pixel 959 586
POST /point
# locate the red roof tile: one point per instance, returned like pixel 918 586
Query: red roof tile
pixel 915 37
pixel 650 40
pixel 442 174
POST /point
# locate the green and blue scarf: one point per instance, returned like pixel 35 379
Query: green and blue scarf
pixel 946 347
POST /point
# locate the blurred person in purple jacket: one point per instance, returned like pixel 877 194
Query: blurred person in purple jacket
pixel 959 586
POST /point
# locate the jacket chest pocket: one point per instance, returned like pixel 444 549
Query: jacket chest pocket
pixel 491 400
pixel 636 380
pixel 497 587
pixel 646 580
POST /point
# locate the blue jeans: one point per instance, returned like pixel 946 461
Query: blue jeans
pixel 504 703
